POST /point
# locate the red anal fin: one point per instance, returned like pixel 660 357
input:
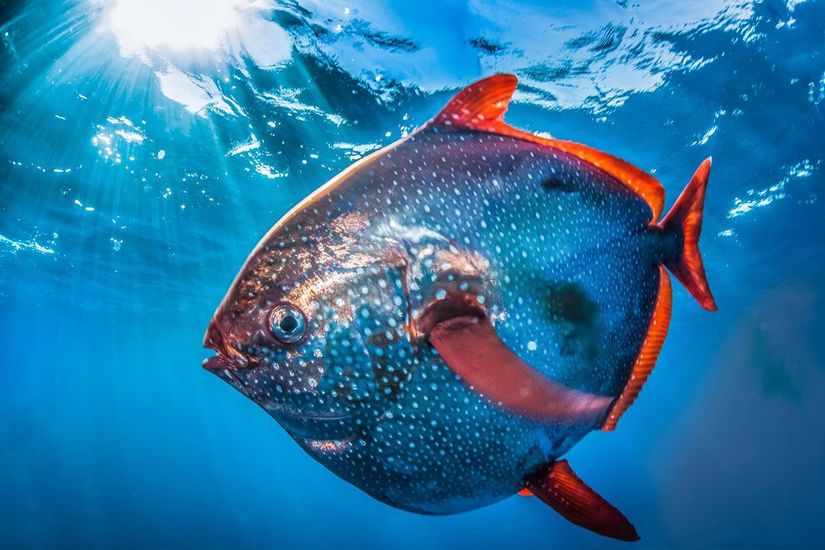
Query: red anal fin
pixel 561 488
pixel 470 346
pixel 651 347
pixel 481 106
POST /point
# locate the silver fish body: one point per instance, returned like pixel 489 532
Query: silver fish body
pixel 520 228
pixel 556 254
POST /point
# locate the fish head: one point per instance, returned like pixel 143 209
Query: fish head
pixel 314 329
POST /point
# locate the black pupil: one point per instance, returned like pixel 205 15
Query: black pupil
pixel 289 323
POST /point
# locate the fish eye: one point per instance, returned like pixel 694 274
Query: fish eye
pixel 287 323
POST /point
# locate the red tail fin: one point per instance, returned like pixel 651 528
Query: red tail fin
pixel 685 218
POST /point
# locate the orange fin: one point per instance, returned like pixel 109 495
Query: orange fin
pixel 479 104
pixel 525 493
pixel 481 107
pixel 685 218
pixel 471 348
pixel 568 495
pixel 646 360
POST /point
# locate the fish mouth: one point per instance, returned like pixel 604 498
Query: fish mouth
pixel 217 363
pixel 227 358
pixel 220 364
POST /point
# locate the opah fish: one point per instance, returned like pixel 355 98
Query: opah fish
pixel 441 322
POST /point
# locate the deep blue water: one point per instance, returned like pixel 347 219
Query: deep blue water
pixel 146 146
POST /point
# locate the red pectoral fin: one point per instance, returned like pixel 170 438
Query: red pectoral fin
pixel 472 349
pixel 568 495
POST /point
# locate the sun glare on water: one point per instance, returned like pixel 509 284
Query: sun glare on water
pixel 174 24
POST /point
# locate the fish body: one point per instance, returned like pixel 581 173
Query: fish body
pixel 443 321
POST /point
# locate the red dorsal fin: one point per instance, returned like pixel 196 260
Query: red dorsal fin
pixel 481 107
pixel 480 103
pixel 649 353
pixel 568 495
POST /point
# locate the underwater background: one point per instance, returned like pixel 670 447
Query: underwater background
pixel 147 145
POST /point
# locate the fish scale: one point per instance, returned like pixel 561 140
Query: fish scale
pixel 465 306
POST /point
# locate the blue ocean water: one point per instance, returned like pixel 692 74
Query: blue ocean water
pixel 146 146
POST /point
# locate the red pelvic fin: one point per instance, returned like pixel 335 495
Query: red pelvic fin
pixel 568 495
pixel 470 346
pixel 685 218
pixel 651 347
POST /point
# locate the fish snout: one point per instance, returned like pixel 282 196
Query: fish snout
pixel 227 357
pixel 213 338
